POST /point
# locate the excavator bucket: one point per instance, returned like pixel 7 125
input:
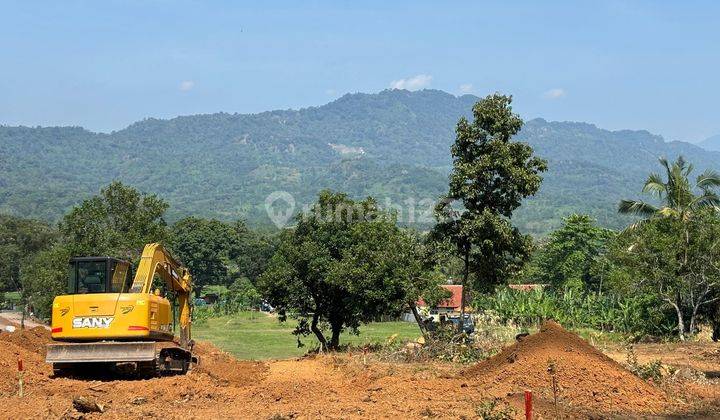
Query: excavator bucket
pixel 70 353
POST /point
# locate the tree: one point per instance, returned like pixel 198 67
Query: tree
pixel 570 256
pixel 202 245
pixel 242 294
pixel 677 250
pixel 117 222
pixel 249 251
pixel 491 175
pixel 678 197
pixel 20 240
pixel 678 262
pixel 339 267
pixel 43 277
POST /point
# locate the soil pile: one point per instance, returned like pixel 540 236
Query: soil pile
pixel 585 377
pixel 32 340
pixel 226 369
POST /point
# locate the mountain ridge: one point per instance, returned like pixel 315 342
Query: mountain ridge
pixel 394 144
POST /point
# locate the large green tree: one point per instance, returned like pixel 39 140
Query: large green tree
pixel 491 176
pixel 118 222
pixel 202 245
pixel 43 277
pixel 219 253
pixel 345 263
pixel 20 240
pixel 675 247
pixel 249 251
pixel 571 255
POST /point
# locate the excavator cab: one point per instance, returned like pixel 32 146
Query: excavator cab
pixel 98 275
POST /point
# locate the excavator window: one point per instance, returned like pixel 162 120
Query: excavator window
pixel 120 277
pixel 91 277
pixel 98 275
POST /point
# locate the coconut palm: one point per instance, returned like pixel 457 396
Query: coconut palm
pixel 678 198
pixel 681 202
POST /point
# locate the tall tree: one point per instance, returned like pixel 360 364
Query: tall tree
pixel 684 268
pixel 20 240
pixel 491 175
pixel 118 222
pixel 249 251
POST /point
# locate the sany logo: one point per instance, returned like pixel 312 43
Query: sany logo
pixel 92 322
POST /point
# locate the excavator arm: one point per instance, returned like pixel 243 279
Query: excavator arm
pixel 156 260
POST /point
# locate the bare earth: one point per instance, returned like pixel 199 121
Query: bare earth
pixel 590 384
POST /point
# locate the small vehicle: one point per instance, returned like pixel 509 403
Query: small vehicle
pixel 468 326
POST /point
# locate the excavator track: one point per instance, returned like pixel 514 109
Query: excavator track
pixel 144 359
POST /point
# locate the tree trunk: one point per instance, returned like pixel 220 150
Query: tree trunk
pixel 693 325
pixel 418 319
pixel 466 274
pixel 314 328
pixel 681 322
pixel 335 338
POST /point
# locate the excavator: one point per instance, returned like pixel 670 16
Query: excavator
pixel 109 319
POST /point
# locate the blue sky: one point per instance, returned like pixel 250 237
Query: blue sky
pixel 104 65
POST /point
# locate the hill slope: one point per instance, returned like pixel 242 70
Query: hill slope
pixel 711 143
pixel 393 145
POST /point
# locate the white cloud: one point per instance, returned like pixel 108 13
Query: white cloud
pixel 330 92
pixel 466 88
pixel 412 83
pixel 186 85
pixel 554 93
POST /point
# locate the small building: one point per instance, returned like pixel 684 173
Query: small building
pixel 447 306
pixel 528 287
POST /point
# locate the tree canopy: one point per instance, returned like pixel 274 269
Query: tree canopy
pixel 345 263
pixel 570 256
pixel 117 222
pixel 674 251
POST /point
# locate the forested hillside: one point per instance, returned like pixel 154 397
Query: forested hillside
pixel 394 145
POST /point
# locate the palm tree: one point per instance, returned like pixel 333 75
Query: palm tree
pixel 677 197
pixel 680 201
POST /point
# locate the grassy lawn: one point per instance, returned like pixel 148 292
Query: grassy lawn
pixel 256 336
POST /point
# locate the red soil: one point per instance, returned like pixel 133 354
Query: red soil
pixel 585 377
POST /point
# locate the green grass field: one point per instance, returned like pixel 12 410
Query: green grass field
pixel 256 336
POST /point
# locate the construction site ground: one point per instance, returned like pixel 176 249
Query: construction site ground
pixel 588 384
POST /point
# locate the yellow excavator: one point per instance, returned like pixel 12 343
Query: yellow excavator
pixel 112 320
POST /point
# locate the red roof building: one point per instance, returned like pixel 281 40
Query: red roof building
pixel 452 303
pixel 527 287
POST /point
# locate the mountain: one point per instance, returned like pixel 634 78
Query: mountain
pixel 393 145
pixel 711 143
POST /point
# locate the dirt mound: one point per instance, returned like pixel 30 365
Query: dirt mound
pixel 32 340
pixel 226 369
pixel 585 377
